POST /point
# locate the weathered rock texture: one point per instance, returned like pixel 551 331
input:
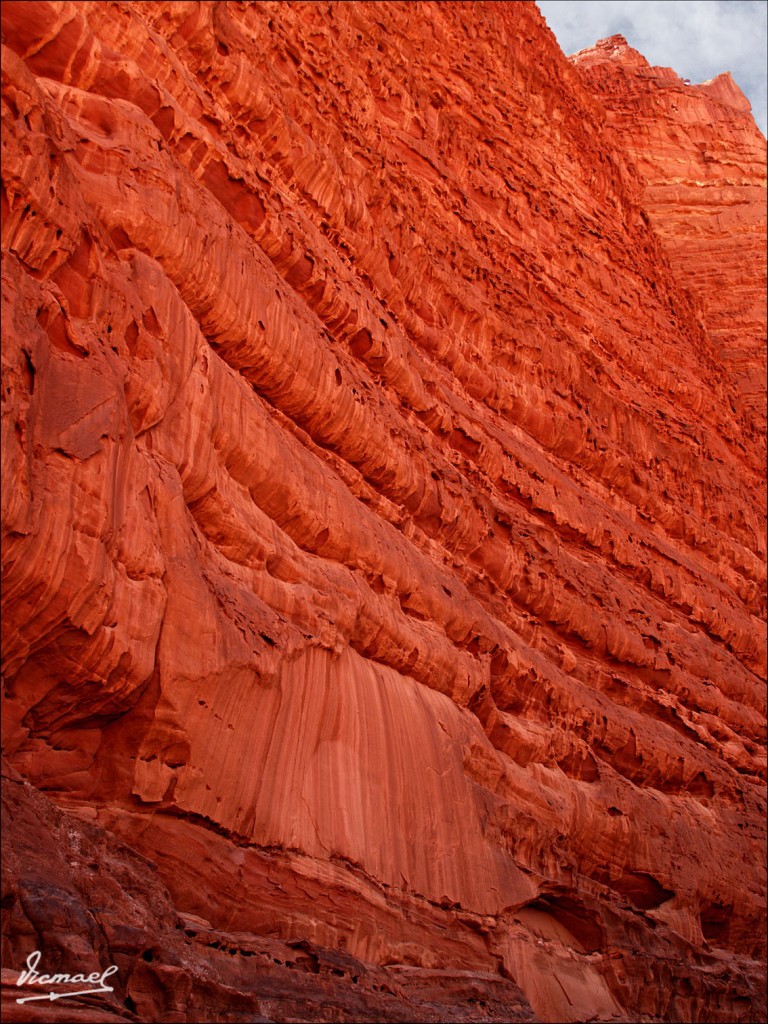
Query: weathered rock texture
pixel 701 160
pixel 384 537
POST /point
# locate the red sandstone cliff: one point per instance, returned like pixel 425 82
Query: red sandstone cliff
pixel 701 160
pixel 384 533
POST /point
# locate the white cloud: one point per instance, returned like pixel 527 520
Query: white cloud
pixel 698 38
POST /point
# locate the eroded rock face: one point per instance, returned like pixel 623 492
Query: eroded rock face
pixel 701 160
pixel 72 888
pixel 384 535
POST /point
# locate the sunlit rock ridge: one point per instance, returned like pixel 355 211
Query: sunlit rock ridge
pixel 383 518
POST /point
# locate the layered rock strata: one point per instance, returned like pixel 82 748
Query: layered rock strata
pixel 701 160
pixel 384 533
pixel 173 965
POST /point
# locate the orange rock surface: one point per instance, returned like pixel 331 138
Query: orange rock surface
pixel 384 525
pixel 701 159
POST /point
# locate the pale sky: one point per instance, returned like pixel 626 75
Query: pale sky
pixel 698 38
